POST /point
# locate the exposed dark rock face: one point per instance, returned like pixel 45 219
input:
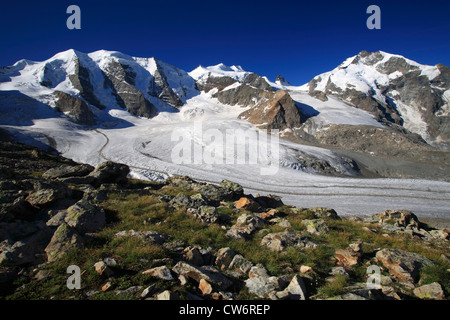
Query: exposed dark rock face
pixel 243 95
pixel 75 108
pixel 258 82
pixel 410 93
pixel 215 82
pixel 81 80
pixel 122 80
pixel 161 89
pixel 279 112
pixel 270 241
pixel 280 79
pixel 270 109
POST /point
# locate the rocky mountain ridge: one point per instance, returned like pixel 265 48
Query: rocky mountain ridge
pixel 395 90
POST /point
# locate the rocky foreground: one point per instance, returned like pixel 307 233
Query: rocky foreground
pixel 182 239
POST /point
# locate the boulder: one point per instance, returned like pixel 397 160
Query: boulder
pixel 208 273
pixel 224 258
pixel 46 194
pixel 439 234
pixel 296 290
pixel 192 255
pixel 167 295
pixel 214 194
pixel 28 250
pixel 66 171
pixel 316 227
pixel 281 240
pixel 271 214
pixel 245 225
pixel 403 265
pixel 240 263
pixel 19 209
pixel 321 212
pixel 148 291
pixel 398 218
pixel 85 217
pixel 432 291
pixel 248 204
pixel 152 237
pixel 258 271
pixel 261 283
pixel 195 201
pixel 131 291
pixel 64 238
pixel 103 269
pixel 110 172
pixel 236 190
pixel 162 273
pixel 206 214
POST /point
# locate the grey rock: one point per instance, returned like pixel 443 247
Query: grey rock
pixel 245 225
pixel 167 295
pixel 85 217
pixel 120 79
pixel 281 240
pixel 103 269
pixel 110 172
pixel 46 194
pixel 263 287
pixel 296 289
pixel 192 255
pixel 403 265
pixel 129 291
pixel 81 80
pixel 76 109
pixel 66 171
pixel 162 273
pixel 152 237
pixel 316 226
pixel 240 263
pixel 208 273
pixel 28 250
pixel 64 238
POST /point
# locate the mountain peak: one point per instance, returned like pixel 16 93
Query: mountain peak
pixel 281 80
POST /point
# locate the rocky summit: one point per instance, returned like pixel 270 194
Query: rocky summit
pixel 184 239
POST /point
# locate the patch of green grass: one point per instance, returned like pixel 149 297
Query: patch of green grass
pixel 334 287
pixel 437 273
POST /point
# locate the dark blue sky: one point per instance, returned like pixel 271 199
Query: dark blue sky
pixel 296 39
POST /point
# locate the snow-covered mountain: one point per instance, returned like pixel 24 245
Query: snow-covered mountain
pixel 98 81
pixel 395 90
pixel 106 105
